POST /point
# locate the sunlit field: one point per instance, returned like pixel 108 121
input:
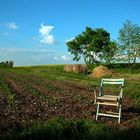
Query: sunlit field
pixel 42 102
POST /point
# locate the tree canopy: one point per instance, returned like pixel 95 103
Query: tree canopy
pixel 129 43
pixel 93 45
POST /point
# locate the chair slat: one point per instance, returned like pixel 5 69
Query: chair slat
pixel 113 79
pixel 117 83
pixel 109 98
pixel 108 103
pixel 109 115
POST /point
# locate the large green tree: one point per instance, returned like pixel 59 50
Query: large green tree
pixel 93 45
pixel 129 40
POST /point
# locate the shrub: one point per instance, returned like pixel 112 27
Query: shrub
pixel 7 64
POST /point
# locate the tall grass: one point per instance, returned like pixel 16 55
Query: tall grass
pixel 60 129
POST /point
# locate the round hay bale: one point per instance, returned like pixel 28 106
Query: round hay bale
pixel 101 71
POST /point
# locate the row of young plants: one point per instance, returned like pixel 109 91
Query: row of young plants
pixel 31 82
pixel 36 80
pixel 7 91
pixel 29 87
pixel 35 86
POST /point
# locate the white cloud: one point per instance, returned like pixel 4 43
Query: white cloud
pixel 56 58
pixel 35 56
pixel 11 25
pixel 67 40
pixel 48 39
pixel 45 34
pixel 65 57
pixel 26 56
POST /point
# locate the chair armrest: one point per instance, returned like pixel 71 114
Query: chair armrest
pixel 121 94
pixel 95 96
pixel 95 92
pixel 94 89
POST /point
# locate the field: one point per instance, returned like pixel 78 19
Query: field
pixel 41 102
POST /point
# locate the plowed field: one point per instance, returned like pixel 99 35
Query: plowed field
pixel 30 97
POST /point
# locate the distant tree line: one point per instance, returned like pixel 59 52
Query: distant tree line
pixel 95 46
pixel 7 64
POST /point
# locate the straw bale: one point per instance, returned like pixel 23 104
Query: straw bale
pixel 76 68
pixel 68 68
pixel 101 71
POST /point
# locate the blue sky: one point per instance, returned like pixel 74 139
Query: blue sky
pixel 34 32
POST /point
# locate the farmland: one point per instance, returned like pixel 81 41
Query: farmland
pixel 35 98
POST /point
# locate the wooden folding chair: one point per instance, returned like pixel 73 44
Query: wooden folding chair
pixel 110 100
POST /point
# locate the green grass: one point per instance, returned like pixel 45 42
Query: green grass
pixel 55 72
pixel 60 129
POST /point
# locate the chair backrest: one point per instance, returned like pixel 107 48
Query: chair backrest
pixel 105 81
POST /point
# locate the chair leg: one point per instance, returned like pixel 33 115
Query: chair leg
pixel 120 108
pixel 97 112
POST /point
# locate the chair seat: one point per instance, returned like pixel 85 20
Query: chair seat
pixel 108 100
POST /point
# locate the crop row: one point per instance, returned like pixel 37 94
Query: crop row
pixel 66 89
pixel 7 91
pixel 29 86
pixel 47 90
